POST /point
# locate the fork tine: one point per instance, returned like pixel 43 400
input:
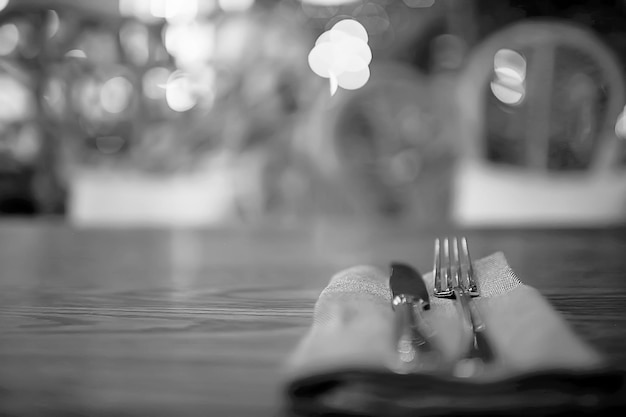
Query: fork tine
pixel 456 262
pixel 448 266
pixel 471 284
pixel 443 270
pixel 437 268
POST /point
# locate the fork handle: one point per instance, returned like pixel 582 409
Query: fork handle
pixel 475 315
pixel 464 300
pixel 483 346
pixel 472 314
pixel 470 310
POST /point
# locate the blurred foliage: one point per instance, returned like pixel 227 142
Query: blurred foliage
pixel 112 93
pixel 108 92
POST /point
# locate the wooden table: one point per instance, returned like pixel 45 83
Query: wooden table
pixel 198 322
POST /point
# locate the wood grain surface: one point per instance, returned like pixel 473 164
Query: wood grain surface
pixel 103 322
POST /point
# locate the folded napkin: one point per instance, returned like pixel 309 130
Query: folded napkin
pixel 344 365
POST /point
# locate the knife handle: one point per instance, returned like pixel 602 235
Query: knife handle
pixel 413 347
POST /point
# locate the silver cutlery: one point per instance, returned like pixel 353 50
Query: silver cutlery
pixel 412 334
pixel 454 278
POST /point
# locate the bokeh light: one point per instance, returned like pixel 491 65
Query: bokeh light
pixel 174 10
pixel 16 100
pixel 235 5
pixel 76 53
pixel 190 43
pixel 9 38
pixel 509 83
pixel 347 28
pixel 140 9
pixel 329 2
pixel 508 94
pixel 179 92
pixel 620 126
pixel 353 80
pixel 115 94
pixel 233 40
pixel 53 23
pixel 342 55
pixel 510 65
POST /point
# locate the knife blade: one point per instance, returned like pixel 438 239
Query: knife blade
pixel 407 280
pixel 412 335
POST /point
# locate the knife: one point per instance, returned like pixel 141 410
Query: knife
pixel 412 335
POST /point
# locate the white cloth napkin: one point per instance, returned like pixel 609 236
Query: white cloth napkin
pixel 353 325
pixel 346 362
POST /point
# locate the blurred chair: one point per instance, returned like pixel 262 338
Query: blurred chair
pixel 540 148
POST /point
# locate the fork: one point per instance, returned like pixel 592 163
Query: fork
pixel 459 282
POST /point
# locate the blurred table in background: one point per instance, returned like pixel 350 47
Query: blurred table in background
pixel 190 322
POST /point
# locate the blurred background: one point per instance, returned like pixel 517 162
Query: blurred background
pixel 209 112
